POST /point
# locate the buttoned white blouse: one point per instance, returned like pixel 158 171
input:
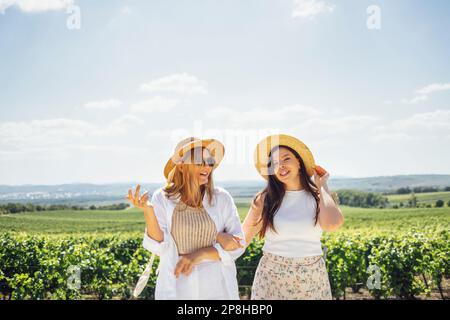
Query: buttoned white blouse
pixel 225 215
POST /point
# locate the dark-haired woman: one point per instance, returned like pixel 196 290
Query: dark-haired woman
pixel 290 214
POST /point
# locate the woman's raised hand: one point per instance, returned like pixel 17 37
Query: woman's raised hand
pixel 138 201
pixel 321 177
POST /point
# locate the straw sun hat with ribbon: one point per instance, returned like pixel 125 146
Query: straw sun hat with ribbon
pixel 261 155
pixel 215 148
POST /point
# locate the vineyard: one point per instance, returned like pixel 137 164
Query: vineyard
pixel 388 253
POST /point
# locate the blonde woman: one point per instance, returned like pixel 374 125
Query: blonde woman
pixel 183 220
pixel 290 214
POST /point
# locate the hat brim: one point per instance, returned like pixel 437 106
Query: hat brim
pixel 215 148
pixel 262 151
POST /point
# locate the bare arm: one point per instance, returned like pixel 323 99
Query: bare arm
pixel 153 229
pixel 330 216
pixel 187 262
pixel 229 242
pixel 252 224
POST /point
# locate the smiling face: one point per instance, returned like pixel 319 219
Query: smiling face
pixel 287 172
pixel 197 164
pixel 285 165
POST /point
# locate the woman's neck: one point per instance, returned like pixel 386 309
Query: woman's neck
pixel 293 186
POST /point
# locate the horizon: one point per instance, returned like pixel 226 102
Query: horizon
pixel 216 181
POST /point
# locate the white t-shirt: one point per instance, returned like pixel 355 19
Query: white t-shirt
pixel 296 235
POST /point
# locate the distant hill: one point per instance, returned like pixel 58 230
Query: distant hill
pixel 102 194
pixel 76 193
pixel 391 183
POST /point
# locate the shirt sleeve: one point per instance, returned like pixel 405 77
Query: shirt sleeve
pixel 150 244
pixel 232 226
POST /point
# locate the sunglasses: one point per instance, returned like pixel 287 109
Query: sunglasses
pixel 210 162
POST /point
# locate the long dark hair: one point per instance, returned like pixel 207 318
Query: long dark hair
pixel 274 193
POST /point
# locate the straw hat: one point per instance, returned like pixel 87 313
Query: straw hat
pixel 215 148
pixel 261 156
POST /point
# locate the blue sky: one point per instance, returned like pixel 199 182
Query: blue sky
pixel 107 102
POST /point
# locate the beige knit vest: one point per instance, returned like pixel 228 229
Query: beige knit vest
pixel 192 228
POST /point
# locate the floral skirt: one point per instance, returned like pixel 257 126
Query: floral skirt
pixel 282 278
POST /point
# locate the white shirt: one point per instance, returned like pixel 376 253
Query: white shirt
pixel 225 215
pixel 296 235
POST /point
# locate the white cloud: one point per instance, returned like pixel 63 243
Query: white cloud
pixel 122 124
pixel 24 136
pixel 103 104
pixel 335 131
pixel 310 8
pixel 426 126
pixel 415 100
pixel 261 116
pixel 332 126
pixel 181 83
pixel 42 132
pixel 434 88
pixel 434 121
pixel 155 104
pixel 126 10
pixel 386 136
pixel 34 6
pixel 324 128
pixel 318 126
pixel 128 119
pixel 67 148
pixel 422 93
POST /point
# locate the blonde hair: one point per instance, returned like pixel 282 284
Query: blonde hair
pixel 182 184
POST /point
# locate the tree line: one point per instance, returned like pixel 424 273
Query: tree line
pixel 354 198
pixel 347 197
pixel 413 202
pixel 29 207
pixel 408 190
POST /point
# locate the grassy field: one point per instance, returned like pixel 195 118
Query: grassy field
pixel 74 222
pixel 429 197
pixel 357 220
